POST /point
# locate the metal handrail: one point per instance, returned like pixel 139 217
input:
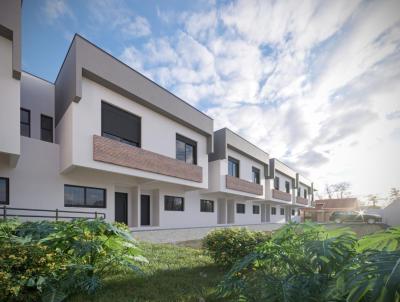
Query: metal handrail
pixel 56 211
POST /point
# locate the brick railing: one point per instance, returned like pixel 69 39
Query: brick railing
pixel 301 200
pixel 111 151
pixel 238 184
pixel 281 195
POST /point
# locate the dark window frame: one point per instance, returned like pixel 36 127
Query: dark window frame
pixel 24 123
pixel 256 206
pixel 7 201
pixel 41 128
pixel 293 212
pixel 256 174
pixel 235 162
pixel 287 186
pixel 204 208
pixel 276 182
pixel 282 211
pixel 187 141
pixel 116 137
pixel 273 211
pixel 174 210
pixel 305 193
pixel 239 206
pixel 299 192
pixel 84 197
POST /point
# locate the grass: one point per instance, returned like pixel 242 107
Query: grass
pixel 174 273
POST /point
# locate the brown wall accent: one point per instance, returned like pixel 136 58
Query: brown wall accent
pixel 301 200
pixel 114 152
pixel 281 195
pixel 238 184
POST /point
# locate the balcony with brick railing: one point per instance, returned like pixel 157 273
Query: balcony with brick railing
pixel 242 185
pixel 281 195
pixel 301 200
pixel 113 152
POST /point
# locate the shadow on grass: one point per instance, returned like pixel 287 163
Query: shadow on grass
pixel 186 284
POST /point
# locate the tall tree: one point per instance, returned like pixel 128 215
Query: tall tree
pixel 372 198
pixel 394 194
pixel 342 189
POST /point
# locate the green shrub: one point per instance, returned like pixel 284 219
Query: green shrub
pixel 308 263
pixel 226 246
pixel 52 260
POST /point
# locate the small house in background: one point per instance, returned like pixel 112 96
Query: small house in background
pixel 325 207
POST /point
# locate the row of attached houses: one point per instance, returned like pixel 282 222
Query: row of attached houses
pixel 105 138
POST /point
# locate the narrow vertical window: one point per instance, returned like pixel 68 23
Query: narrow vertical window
pixel 287 186
pixel 276 183
pixel 25 120
pixel 186 150
pixel 256 175
pixel 256 209
pixel 282 211
pixel 4 190
pixel 233 167
pixel 273 211
pixel 46 128
pixel 305 193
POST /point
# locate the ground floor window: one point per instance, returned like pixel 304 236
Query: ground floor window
pixel 206 205
pixel 293 212
pixel 240 208
pixel 174 203
pixel 77 196
pixel 298 212
pixel 256 209
pixel 282 211
pixel 273 211
pixel 4 190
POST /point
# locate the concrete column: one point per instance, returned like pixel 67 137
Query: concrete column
pixel 221 211
pixel 231 211
pixel 155 208
pixel 263 213
pixel 135 213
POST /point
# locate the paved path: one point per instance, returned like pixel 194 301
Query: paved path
pixel 178 235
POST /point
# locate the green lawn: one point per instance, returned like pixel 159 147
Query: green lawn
pixel 174 273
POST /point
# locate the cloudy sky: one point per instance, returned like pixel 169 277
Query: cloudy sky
pixel 314 83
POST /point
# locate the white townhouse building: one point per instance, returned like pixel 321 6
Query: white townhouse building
pixel 104 138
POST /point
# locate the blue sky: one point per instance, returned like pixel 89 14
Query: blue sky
pixel 315 83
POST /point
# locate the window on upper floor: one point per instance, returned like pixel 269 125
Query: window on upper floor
pixel 240 208
pixel 25 120
pixel 273 211
pixel 186 150
pixel 299 192
pixel 305 193
pixel 276 183
pixel 120 125
pixel 77 196
pixel 282 211
pixel 256 175
pixel 287 186
pixel 46 128
pixel 174 203
pixel 256 209
pixel 4 190
pixel 233 167
pixel 206 205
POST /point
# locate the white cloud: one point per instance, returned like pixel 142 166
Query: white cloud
pixel 55 9
pixel 138 27
pixel 315 84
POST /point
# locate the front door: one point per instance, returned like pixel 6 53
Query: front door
pixel 145 210
pixel 121 207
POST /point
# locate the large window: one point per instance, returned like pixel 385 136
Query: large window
pixel 4 190
pixel 240 208
pixel 206 205
pixel 186 150
pixel 25 120
pixel 174 203
pixel 120 125
pixel 46 128
pixel 276 183
pixel 256 209
pixel 287 186
pixel 282 211
pixel 256 175
pixel 273 211
pixel 233 167
pixel 77 196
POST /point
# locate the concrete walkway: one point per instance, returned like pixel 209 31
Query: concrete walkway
pixel 185 234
